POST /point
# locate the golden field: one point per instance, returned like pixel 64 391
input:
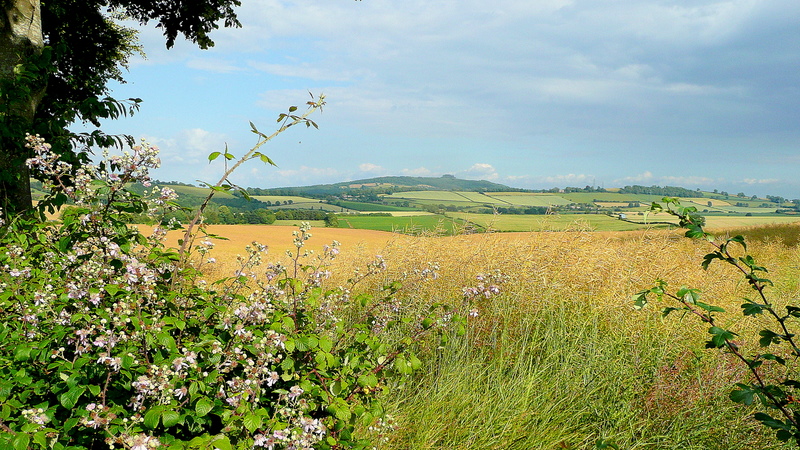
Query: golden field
pixel 561 358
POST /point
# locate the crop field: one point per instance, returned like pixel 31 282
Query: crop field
pixel 409 213
pixel 527 199
pixel 589 197
pixel 362 206
pixel 559 359
pixel 743 221
pixel 428 195
pixel 554 222
pixel 477 197
pixel 285 198
pixel 431 223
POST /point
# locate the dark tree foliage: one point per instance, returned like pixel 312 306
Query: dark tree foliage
pixel 666 191
pixel 85 49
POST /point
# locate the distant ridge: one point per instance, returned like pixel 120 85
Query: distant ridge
pixel 392 183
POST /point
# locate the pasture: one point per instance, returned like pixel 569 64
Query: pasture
pixel 560 359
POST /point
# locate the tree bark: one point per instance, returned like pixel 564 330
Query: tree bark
pixel 20 39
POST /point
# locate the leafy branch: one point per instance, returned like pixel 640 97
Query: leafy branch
pixel 286 121
pixel 774 396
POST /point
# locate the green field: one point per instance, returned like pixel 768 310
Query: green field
pixel 550 222
pixel 363 206
pixel 527 199
pixel 404 224
pixel 589 197
pixel 285 198
pixel 428 195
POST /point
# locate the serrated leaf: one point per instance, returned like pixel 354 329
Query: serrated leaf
pixel 152 417
pixel 744 396
pixel 252 422
pixel 709 308
pixel 767 420
pixel 203 407
pixel 222 443
pixel 70 398
pixel 768 337
pixel 21 441
pixel 170 418
pixel 752 309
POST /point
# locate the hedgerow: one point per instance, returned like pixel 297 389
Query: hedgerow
pixel 109 338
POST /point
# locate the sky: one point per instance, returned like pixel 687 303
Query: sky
pixel 529 93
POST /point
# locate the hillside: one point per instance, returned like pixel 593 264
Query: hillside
pixel 385 185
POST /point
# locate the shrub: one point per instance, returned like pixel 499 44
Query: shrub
pixel 777 391
pixel 110 338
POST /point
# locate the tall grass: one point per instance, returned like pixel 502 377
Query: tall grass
pixel 561 359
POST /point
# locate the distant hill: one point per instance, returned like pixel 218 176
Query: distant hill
pixel 390 184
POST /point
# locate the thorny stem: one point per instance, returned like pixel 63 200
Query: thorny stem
pixel 734 349
pixel 188 236
pixel 759 287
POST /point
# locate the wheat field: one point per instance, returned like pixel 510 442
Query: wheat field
pixel 561 358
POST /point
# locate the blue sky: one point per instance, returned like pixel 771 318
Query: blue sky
pixel 533 94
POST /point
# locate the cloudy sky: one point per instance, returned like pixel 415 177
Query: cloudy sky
pixel 529 93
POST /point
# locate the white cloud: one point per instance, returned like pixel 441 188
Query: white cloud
pixel 690 181
pixel 481 171
pixel 372 168
pixel 305 173
pixel 563 180
pixel 644 177
pixel 302 70
pixel 761 181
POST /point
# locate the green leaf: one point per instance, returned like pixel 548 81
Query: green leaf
pixel 709 308
pixel 768 421
pixel 719 337
pixel 21 441
pixel 170 418
pixel 152 417
pixel 325 344
pixel 41 438
pixel 203 407
pixel 222 443
pixel 744 396
pixel 70 398
pixel 640 299
pixel 165 340
pixel 768 337
pixel 266 159
pixel 214 155
pixel 752 309
pixel 252 422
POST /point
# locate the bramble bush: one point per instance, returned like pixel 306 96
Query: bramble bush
pixel 777 391
pixel 108 338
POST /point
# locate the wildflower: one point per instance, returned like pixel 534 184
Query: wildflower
pixel 295 391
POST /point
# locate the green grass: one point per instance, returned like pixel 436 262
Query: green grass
pixel 428 195
pixel 285 198
pixel 523 199
pixel 407 224
pixel 562 376
pixel 589 197
pixel 361 206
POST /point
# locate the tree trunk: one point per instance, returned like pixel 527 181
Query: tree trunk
pixel 20 39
